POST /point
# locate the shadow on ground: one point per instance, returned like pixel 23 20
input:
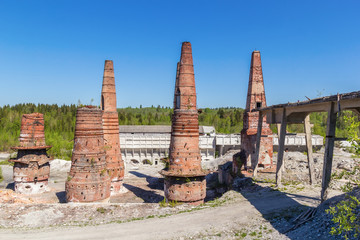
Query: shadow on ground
pixel 281 215
pixel 61 196
pixel 11 186
pixel 153 182
pixel 148 196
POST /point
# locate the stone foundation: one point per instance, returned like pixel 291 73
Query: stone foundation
pixel 191 190
pixel 31 187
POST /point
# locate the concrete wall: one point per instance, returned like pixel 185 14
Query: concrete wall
pixel 138 147
pixel 143 148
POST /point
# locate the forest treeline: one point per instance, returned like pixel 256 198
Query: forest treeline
pixel 60 123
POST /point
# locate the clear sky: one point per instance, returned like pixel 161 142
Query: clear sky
pixel 54 51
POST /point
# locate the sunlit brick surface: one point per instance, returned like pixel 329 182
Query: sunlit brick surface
pixel 184 178
pixel 114 161
pixel 88 180
pixel 31 166
pixel 256 99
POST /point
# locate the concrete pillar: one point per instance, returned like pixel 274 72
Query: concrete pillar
pixel 329 149
pixel 281 148
pixel 307 129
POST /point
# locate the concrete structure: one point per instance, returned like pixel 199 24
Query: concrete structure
pixel 297 142
pixel 148 144
pixel 184 177
pixel 226 142
pixel 114 162
pixel 31 166
pixel 88 180
pixel 299 113
pixel 255 99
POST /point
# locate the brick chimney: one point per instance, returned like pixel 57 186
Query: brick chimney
pixel 31 166
pixel 255 99
pixel 184 177
pixel 114 161
pixel 88 180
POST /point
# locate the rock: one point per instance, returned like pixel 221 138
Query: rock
pixel 210 194
pixel 221 190
pixel 224 173
pixel 346 164
pixel 240 183
pixel 4 156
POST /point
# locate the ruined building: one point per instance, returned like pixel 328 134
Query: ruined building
pixel 31 166
pixel 255 99
pixel 88 180
pixel 114 162
pixel 184 177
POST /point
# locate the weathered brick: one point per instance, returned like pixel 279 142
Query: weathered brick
pixel 184 178
pixel 255 99
pixel 31 166
pixel 88 180
pixel 114 161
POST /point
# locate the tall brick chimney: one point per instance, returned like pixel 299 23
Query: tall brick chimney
pixel 88 180
pixel 108 93
pixel 31 166
pixel 256 99
pixel 114 161
pixel 184 177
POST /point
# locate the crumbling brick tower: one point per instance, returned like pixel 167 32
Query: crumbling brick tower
pixel 88 180
pixel 31 166
pixel 114 162
pixel 184 177
pixel 255 99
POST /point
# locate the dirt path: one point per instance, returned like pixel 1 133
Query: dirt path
pixel 240 211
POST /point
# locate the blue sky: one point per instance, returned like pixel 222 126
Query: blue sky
pixel 54 51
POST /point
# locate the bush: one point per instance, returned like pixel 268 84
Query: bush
pixel 346 217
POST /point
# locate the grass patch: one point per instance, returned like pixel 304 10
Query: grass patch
pixel 265 180
pixel 347 187
pixel 101 210
pixel 1 176
pixel 6 162
pixel 172 204
pixel 288 183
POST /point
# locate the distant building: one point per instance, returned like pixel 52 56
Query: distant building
pixel 147 144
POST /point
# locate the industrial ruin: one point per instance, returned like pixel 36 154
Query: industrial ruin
pixel 255 99
pixel 88 180
pixel 114 162
pixel 184 177
pixel 98 166
pixel 290 113
pixel 31 166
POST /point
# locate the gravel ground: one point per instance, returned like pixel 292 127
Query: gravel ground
pixel 253 209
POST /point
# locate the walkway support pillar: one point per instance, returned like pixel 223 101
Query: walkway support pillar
pixel 309 151
pixel 280 156
pixel 329 149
